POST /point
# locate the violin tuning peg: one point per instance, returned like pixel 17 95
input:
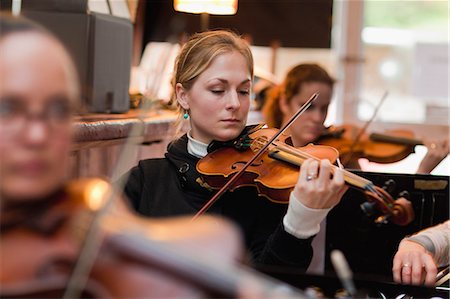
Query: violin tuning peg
pixel 390 186
pixel 368 208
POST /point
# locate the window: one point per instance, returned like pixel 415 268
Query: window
pixel 405 53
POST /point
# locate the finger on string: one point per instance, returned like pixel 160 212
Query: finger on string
pixel 312 170
pixel 304 170
pixel 325 170
pixel 338 176
pixel 339 179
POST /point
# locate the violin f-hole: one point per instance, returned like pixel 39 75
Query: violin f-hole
pixel 236 164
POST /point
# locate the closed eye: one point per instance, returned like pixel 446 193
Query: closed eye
pixel 217 91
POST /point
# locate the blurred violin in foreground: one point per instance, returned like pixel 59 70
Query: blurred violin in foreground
pixel 275 172
pixel 353 143
pixel 128 256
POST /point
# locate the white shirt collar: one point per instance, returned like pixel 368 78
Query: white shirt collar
pixel 196 148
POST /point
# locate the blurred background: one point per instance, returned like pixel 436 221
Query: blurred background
pixel 369 46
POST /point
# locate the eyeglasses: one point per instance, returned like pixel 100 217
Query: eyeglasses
pixel 14 115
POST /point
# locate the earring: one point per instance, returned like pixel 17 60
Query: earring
pixel 185 115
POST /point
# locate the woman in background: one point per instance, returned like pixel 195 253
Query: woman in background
pixel 300 82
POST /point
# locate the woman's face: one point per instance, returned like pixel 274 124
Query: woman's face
pixel 35 118
pixel 219 100
pixel 309 126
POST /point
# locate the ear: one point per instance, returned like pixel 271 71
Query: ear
pixel 284 105
pixel 182 96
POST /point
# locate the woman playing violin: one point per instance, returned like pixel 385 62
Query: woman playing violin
pixel 212 84
pixel 285 99
pixel 299 83
pixel 38 93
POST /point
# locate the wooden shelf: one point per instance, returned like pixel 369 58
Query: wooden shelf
pixel 96 130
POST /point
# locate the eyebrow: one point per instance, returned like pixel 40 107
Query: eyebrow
pixel 226 81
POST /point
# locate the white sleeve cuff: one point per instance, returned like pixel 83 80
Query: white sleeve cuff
pixel 301 221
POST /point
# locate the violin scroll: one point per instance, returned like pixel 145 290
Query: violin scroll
pixel 398 211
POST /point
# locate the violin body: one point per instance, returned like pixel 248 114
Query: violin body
pixel 388 147
pixel 274 180
pixel 275 168
pixel 136 257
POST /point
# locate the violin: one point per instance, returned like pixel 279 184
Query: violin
pixel 136 257
pixel 352 144
pixel 276 171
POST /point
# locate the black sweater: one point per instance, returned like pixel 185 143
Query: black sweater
pixel 170 186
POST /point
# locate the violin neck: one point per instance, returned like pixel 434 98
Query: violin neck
pixel 295 157
pixel 394 139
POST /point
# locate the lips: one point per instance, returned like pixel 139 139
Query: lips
pixel 314 129
pixel 231 120
pixel 31 168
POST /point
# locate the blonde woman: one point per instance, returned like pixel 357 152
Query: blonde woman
pixel 212 85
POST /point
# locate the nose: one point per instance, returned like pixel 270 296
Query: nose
pixel 233 102
pixel 36 132
pixel 317 115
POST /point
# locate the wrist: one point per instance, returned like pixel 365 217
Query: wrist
pixel 302 221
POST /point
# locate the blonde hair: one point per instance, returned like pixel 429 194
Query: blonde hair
pixel 196 56
pixel 302 73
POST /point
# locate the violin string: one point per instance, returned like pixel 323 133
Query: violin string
pixel 236 176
